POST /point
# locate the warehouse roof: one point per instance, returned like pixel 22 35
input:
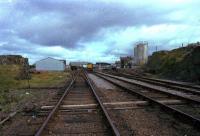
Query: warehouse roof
pixel 78 63
pixel 64 61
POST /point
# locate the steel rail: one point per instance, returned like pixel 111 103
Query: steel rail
pixel 166 82
pixel 175 83
pixel 172 85
pixel 114 129
pixel 151 88
pixel 184 117
pixel 40 130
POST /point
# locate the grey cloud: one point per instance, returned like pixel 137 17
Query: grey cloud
pixel 71 23
pixel 76 21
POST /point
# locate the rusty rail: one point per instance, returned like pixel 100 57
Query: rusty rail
pixel 184 117
pixel 39 132
pixel 114 129
pixel 159 82
pixel 152 88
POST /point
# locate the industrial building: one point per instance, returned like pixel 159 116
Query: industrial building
pixel 103 65
pixel 126 62
pixel 141 53
pixel 118 64
pixel 77 64
pixel 50 64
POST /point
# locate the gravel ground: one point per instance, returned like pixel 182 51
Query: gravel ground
pixel 142 120
pixel 25 125
pixel 78 121
pixel 190 108
pixel 172 91
pixel 101 83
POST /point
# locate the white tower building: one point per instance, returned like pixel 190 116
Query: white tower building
pixel 141 53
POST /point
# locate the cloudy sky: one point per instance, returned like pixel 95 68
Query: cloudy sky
pixel 95 30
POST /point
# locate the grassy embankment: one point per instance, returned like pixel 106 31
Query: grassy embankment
pixel 44 79
pixel 11 92
pixel 179 64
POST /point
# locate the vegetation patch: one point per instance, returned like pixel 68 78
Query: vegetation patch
pixel 10 99
pixel 7 76
pixel 8 80
pixel 11 92
pixel 179 64
pixel 48 79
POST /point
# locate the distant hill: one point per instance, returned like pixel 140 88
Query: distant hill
pixel 180 64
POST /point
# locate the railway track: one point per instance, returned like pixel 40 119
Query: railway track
pixel 180 86
pixel 133 115
pixel 182 107
pixel 78 112
pixel 189 94
pixel 84 109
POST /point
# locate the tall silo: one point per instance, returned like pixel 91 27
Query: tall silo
pixel 141 53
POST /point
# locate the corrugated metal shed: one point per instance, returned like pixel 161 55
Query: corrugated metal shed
pixel 103 65
pixel 50 64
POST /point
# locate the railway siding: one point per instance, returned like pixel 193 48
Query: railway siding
pixel 186 96
pixel 134 115
pixel 189 117
pixel 181 86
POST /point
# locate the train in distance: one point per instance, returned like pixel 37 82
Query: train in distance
pixel 90 67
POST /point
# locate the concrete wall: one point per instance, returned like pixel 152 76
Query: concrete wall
pixel 50 64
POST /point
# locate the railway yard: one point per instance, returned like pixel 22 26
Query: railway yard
pixel 99 68
pixel 112 103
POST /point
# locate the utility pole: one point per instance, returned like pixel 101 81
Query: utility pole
pixel 28 75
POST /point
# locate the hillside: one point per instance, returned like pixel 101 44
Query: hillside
pixel 180 64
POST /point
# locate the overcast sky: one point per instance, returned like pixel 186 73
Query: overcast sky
pixel 95 30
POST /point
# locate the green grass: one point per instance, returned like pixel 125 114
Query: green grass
pixel 48 79
pixel 179 64
pixel 44 79
pixel 11 92
pixel 10 98
pixel 7 77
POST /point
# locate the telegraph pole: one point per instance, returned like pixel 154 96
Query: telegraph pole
pixel 28 75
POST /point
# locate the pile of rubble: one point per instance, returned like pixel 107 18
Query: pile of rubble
pixel 19 61
pixel 13 59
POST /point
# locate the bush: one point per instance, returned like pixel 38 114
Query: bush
pixel 182 63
